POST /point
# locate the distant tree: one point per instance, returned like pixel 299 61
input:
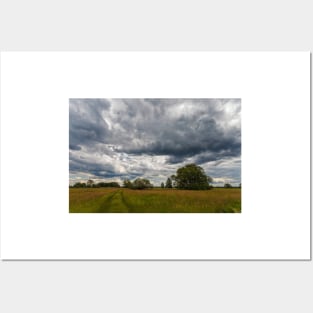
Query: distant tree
pixel 127 183
pixel 193 177
pixel 79 185
pixel 168 183
pixel 227 185
pixel 240 185
pixel 162 185
pixel 107 184
pixel 89 183
pixel 173 178
pixel 141 183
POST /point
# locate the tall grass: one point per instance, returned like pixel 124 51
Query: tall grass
pixel 117 200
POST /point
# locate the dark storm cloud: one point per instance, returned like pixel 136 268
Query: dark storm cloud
pixel 81 164
pixel 231 174
pixel 101 170
pixel 73 147
pixel 194 130
pixel 226 149
pixel 86 122
pixel 119 137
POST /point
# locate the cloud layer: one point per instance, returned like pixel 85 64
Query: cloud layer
pixel 114 139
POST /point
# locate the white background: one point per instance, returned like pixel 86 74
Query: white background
pixel 275 93
pixel 244 286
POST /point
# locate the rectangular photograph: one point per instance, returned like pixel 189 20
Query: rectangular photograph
pixel 155 155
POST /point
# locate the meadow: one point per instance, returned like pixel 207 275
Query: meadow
pixel 156 200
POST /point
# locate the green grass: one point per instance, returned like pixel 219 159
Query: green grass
pixel 120 200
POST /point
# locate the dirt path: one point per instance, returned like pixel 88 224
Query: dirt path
pixel 114 203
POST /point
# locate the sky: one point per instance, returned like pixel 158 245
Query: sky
pixel 117 139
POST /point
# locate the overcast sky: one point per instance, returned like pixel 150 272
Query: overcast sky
pixel 116 139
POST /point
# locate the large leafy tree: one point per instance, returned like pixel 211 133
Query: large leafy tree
pixel 192 177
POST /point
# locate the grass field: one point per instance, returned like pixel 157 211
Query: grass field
pixel 120 200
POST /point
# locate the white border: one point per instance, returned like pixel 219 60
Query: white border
pixel 275 93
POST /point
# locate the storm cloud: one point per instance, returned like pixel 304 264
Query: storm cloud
pixel 115 139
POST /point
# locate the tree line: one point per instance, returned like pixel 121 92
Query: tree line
pixel 90 184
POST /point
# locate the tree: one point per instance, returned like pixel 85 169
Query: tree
pixel 173 178
pixel 89 183
pixel 162 185
pixel 127 183
pixel 138 183
pixel 227 185
pixel 193 177
pixel 168 183
pixel 141 183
